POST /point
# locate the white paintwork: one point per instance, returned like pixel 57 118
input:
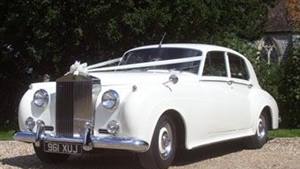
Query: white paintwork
pixel 211 109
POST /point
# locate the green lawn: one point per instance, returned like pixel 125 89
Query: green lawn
pixel 6 135
pixel 284 133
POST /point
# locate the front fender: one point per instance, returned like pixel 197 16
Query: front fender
pixel 143 109
pixel 28 109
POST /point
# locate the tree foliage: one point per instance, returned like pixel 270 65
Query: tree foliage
pixel 43 36
pixel 290 90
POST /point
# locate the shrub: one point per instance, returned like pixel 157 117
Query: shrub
pixel 290 91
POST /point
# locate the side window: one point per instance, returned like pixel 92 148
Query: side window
pixel 215 64
pixel 238 67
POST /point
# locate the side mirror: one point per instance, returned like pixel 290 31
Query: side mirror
pixel 173 78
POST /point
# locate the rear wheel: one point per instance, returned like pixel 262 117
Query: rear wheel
pixel 261 136
pixel 49 157
pixel 163 146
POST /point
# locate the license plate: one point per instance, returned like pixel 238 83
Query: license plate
pixel 64 148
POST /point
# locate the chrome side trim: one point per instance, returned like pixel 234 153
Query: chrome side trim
pixel 228 81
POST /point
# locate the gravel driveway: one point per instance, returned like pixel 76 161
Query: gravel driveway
pixel 283 153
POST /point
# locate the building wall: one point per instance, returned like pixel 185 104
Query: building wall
pixel 282 30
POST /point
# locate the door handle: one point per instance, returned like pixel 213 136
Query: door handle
pixel 250 85
pixel 229 82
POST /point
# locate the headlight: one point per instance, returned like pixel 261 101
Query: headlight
pixel 41 98
pixel 110 99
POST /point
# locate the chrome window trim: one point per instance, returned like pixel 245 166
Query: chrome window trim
pixel 245 63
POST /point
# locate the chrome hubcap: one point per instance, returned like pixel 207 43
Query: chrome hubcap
pixel 261 128
pixel 165 141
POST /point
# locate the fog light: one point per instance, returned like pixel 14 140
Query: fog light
pixel 29 123
pixel 113 127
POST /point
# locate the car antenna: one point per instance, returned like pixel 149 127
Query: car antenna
pixel 162 39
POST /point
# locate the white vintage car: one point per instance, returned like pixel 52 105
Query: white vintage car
pixel 154 100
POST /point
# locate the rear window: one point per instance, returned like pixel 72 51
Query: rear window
pixel 238 67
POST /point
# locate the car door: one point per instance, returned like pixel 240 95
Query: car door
pixel 215 94
pixel 240 88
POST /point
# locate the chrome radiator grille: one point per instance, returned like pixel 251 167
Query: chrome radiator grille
pixel 73 105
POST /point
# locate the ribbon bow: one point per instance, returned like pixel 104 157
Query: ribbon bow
pixel 78 69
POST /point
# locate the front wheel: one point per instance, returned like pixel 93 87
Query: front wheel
pixel 49 157
pixel 163 146
pixel 261 136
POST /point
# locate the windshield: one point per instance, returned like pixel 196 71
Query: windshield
pixel 163 54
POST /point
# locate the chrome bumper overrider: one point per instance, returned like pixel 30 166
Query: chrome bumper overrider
pixel 88 141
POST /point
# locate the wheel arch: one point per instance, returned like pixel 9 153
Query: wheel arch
pixel 180 127
pixel 267 110
pixel 261 101
pixel 272 113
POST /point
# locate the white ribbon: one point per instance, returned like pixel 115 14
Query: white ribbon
pixel 78 69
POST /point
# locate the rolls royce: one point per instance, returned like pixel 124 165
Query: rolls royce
pixel 154 100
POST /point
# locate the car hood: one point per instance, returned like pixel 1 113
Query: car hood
pixel 127 77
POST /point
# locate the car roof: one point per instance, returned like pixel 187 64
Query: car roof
pixel 202 47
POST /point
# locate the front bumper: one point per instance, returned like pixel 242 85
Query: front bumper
pixel 88 141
